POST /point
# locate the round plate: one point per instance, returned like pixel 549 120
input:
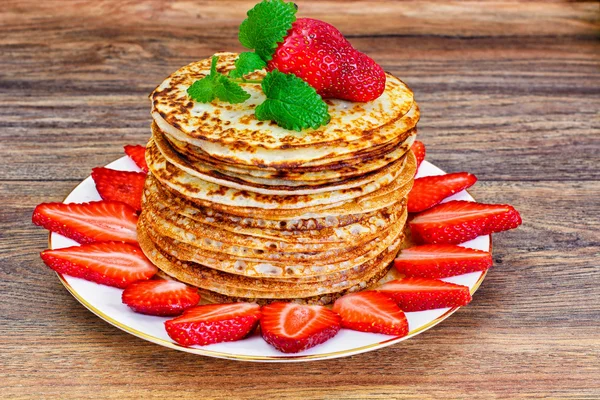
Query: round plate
pixel 105 302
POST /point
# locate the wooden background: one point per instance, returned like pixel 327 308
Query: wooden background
pixel 509 91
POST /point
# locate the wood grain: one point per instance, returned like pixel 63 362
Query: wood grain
pixel 509 91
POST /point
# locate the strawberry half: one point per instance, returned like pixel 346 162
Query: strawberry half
pixel 418 294
pixel 214 323
pixel 431 190
pixel 138 154
pixel 418 148
pixel 319 54
pixel 97 221
pixel 160 297
pixel 459 221
pixel 123 186
pixel 371 312
pixel 113 264
pixel 441 261
pixel 291 327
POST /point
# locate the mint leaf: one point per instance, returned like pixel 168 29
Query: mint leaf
pixel 247 62
pixel 229 91
pixel 267 24
pixel 216 85
pixel 202 90
pixel 291 102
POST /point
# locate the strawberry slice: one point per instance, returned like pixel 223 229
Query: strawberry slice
pixel 291 327
pixel 160 297
pixel 441 261
pixel 418 294
pixel 371 312
pixel 112 263
pixel 138 155
pixel 97 221
pixel 214 323
pixel 431 190
pixel 123 186
pixel 458 221
pixel 418 148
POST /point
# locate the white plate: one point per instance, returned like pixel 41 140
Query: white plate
pixel 105 302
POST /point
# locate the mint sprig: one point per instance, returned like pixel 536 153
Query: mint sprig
pixel 267 24
pixel 216 85
pixel 247 62
pixel 291 102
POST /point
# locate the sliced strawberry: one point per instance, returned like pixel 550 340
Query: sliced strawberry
pixel 214 323
pixel 441 261
pixel 160 297
pixel 371 312
pixel 418 148
pixel 431 190
pixel 291 327
pixel 418 294
pixel 123 186
pixel 138 155
pixel 112 263
pixel 97 221
pixel 458 221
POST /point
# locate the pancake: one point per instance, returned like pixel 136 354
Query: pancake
pixel 192 186
pixel 392 165
pixel 245 210
pixel 232 130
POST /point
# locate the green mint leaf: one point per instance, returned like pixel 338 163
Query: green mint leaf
pixel 216 85
pixel 247 62
pixel 291 102
pixel 203 90
pixel 267 24
pixel 229 91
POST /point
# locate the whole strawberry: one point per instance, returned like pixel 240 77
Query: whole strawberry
pixel 319 54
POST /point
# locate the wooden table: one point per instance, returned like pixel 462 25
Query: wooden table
pixel 509 91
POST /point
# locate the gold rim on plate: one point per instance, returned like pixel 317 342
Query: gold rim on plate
pixel 229 356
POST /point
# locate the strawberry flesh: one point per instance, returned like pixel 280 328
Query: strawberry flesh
pixel 371 312
pixel 97 221
pixel 458 221
pixel 138 154
pixel 418 148
pixel 160 297
pixel 291 327
pixel 418 294
pixel 112 263
pixel 441 261
pixel 123 186
pixel 431 190
pixel 214 323
pixel 319 54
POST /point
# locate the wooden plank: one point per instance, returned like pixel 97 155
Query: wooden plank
pixel 531 101
pixel 532 325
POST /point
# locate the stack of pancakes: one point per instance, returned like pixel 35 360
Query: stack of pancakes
pixel 246 210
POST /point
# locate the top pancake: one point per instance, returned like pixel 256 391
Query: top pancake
pixel 220 128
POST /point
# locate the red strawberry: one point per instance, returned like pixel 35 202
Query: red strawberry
pixel 441 261
pixel 431 190
pixel 418 294
pixel 418 148
pixel 160 297
pixel 113 264
pixel 138 155
pixel 123 186
pixel 458 221
pixel 319 54
pixel 371 312
pixel 214 323
pixel 291 327
pixel 97 221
